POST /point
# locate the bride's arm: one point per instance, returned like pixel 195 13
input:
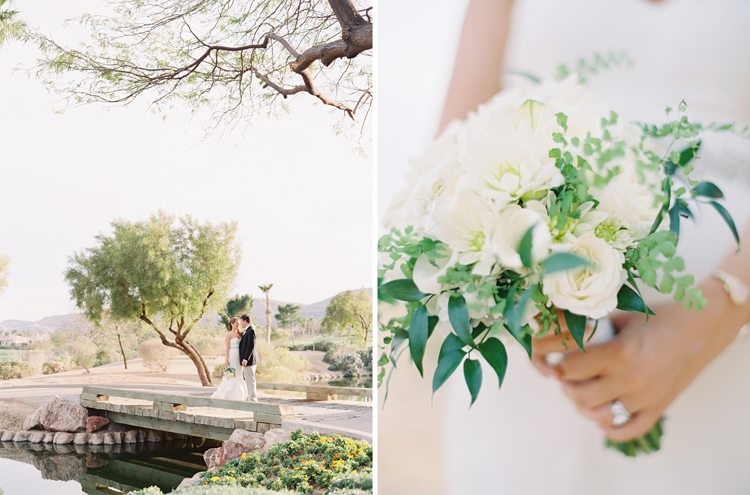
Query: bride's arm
pixel 479 61
pixel 648 364
pixel 227 340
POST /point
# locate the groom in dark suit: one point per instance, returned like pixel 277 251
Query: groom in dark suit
pixel 248 356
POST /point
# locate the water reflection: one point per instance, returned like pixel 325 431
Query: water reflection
pixel 125 467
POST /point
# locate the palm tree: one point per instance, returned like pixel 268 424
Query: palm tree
pixel 9 28
pixel 266 289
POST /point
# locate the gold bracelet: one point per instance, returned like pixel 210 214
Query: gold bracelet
pixel 738 293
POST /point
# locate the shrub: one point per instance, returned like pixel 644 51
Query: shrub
pixel 279 365
pixel 214 490
pixel 352 483
pixel 279 335
pixel 14 369
pixel 366 356
pixel 218 369
pixel 103 357
pixel 348 364
pixel 337 349
pixel 209 346
pixel 305 463
pixel 52 367
pixel 156 356
pixel 321 345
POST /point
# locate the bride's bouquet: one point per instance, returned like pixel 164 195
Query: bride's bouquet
pixel 543 205
pixel 229 372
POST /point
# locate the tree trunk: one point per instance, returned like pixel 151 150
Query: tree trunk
pixel 119 341
pixel 268 320
pixel 203 371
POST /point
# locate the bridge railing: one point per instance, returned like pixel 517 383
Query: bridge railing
pixel 317 392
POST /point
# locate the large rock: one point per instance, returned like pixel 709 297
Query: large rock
pixel 21 436
pixel 36 436
pixel 154 436
pixel 95 423
pixel 81 438
pixel 48 436
pixel 241 442
pixel 58 416
pixel 96 439
pixel 7 436
pixel 190 482
pixel 130 437
pixel 213 458
pixel 142 436
pixel 117 436
pixel 62 438
pixel 108 439
pixel 274 436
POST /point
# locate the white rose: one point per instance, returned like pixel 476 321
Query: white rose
pixel 591 290
pixel 512 223
pixel 465 222
pixel 629 202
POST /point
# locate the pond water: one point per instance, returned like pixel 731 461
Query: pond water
pixel 30 469
pixel 355 381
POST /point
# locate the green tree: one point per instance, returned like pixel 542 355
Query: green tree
pixel 266 289
pixel 350 311
pixel 10 28
pixel 288 317
pixel 234 58
pixel 236 306
pixel 164 273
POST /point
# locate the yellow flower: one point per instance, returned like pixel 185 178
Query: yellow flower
pixel 214 478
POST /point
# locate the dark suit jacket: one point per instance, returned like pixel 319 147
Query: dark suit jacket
pixel 248 350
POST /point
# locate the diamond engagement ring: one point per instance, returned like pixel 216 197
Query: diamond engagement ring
pixel 621 415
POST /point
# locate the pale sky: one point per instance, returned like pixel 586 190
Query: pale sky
pixel 302 198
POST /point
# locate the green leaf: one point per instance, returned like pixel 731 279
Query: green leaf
pixel 674 219
pixel 667 190
pixel 576 326
pixel 383 360
pixel 398 340
pixel 513 317
pixel 728 219
pixel 403 289
pixel 473 376
pixel 562 261
pixel 493 351
pixel 450 344
pixel 524 248
pixel 432 322
pixel 458 315
pixel 629 300
pixel 708 190
pixel 445 368
pixel 418 337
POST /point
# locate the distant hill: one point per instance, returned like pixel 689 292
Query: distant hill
pixel 51 323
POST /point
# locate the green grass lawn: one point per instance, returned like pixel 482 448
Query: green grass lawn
pixel 11 355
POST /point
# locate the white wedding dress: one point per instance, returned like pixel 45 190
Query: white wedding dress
pixel 233 388
pixel 527 438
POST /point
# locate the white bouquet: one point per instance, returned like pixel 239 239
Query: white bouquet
pixel 229 372
pixel 541 205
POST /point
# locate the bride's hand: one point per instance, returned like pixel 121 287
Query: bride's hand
pixel 647 364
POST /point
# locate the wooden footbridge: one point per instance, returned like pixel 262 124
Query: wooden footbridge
pixel 184 414
pixel 216 419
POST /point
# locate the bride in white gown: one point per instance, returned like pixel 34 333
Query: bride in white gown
pixel 232 388
pixel 529 438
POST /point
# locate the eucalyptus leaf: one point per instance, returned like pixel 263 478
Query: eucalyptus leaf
pixel 576 326
pixel 629 300
pixel 493 351
pixel 562 261
pixel 667 190
pixel 708 190
pixel 445 368
pixel 473 377
pixel 674 219
pixel 418 337
pixel 399 338
pixel 728 219
pixel 458 314
pixel 403 289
